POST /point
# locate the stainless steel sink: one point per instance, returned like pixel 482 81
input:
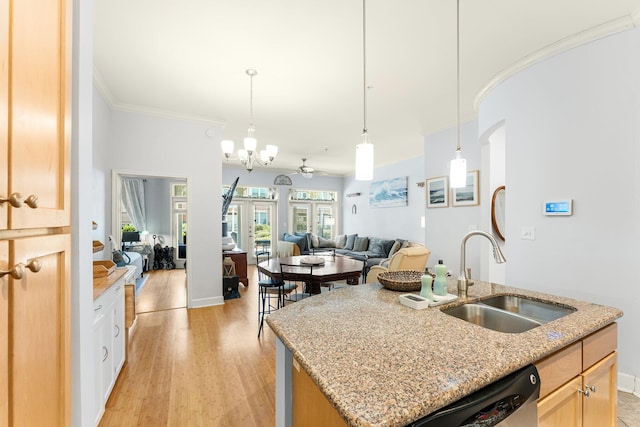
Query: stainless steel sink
pixel 491 318
pixel 509 313
pixel 540 311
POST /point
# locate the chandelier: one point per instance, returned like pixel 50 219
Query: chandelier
pixel 248 155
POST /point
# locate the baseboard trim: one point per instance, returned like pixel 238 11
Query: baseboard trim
pixel 206 302
pixel 629 384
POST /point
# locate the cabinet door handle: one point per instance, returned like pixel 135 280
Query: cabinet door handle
pixel 15 200
pixel 99 307
pixel 585 392
pixel 590 387
pixel 106 353
pixel 17 272
pixel 117 331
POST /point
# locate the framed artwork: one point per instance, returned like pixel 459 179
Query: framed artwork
pixel 388 193
pixel 438 192
pixel 469 194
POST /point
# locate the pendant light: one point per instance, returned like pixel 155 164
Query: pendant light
pixel 458 166
pixel 364 150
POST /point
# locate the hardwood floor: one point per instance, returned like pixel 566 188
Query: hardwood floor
pixel 199 367
pixel 163 290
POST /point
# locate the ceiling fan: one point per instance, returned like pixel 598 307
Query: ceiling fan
pixel 304 170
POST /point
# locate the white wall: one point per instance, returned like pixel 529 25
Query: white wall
pixel 83 381
pixel 161 146
pixel 402 222
pixel 445 227
pixel 572 130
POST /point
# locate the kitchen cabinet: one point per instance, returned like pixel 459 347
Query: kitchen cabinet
pixel 109 341
pixel 35 326
pixel 589 398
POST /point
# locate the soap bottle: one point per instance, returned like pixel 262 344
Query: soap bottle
pixel 440 284
pixel 425 290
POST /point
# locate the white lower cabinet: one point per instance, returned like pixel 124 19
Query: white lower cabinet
pixel 109 342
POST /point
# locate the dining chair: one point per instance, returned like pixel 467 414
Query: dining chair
pixel 303 274
pixel 270 292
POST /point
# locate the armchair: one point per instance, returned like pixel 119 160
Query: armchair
pixel 412 258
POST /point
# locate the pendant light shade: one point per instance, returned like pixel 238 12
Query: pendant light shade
pixel 458 166
pixel 364 159
pixel 364 150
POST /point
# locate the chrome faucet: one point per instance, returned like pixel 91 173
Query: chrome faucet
pixel 463 278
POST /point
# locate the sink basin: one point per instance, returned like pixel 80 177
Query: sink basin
pixel 540 311
pixel 509 313
pixel 491 318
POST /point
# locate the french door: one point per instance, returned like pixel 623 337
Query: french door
pixel 313 217
pixel 252 224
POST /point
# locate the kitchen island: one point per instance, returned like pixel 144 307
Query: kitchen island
pixel 379 363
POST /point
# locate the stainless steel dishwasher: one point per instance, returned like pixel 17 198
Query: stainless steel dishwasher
pixel 510 401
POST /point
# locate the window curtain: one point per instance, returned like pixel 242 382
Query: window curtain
pixel 133 201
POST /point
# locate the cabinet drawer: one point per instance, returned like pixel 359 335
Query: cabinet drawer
pixel 598 345
pixel 559 368
pixel 102 303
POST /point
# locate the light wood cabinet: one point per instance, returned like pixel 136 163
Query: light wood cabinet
pixel 35 354
pixel 588 398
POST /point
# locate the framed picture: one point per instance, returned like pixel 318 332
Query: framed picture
pixel 469 194
pixel 388 193
pixel 438 192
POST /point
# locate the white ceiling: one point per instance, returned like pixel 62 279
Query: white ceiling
pixel 189 57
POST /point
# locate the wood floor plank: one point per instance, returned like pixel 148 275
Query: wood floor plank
pixel 198 367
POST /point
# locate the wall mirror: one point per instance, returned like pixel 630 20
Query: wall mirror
pixel 497 211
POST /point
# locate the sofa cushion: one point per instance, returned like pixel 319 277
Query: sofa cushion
pixel 340 241
pixel 307 238
pixel 351 238
pixel 325 243
pixel 378 247
pixel 301 241
pixel 360 244
pixel 315 241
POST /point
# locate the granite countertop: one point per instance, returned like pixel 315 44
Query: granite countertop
pixel 383 364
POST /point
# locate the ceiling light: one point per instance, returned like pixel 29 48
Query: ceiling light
pixel 458 166
pixel 364 150
pixel 249 155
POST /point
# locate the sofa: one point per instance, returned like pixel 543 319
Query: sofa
pixel 371 250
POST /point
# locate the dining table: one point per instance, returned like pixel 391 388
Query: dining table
pixel 333 268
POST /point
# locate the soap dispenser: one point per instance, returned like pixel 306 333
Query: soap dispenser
pixel 426 290
pixel 440 284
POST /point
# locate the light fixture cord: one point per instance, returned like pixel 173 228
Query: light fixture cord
pixel 251 101
pixel 364 63
pixel 458 68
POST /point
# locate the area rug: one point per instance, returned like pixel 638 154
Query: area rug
pixel 140 281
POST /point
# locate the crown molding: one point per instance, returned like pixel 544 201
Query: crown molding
pixel 575 40
pixel 99 83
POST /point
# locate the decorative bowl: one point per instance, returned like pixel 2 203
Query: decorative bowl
pixel 403 280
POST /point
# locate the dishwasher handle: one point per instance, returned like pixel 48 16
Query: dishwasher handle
pixel 489 405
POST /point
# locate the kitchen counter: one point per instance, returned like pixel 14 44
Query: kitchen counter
pixel 383 364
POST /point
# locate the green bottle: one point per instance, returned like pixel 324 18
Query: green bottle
pixel 440 284
pixel 426 290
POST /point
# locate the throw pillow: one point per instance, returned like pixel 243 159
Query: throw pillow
pixel 307 238
pixel 301 241
pixel 360 244
pixel 325 243
pixel 340 241
pixel 394 248
pixel 376 247
pixel 351 238
pixel 315 241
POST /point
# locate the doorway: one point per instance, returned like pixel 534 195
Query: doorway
pixel 166 205
pixel 252 224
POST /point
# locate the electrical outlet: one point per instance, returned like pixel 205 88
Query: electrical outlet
pixel 528 233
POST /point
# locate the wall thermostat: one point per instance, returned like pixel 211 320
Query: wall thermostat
pixel 558 207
